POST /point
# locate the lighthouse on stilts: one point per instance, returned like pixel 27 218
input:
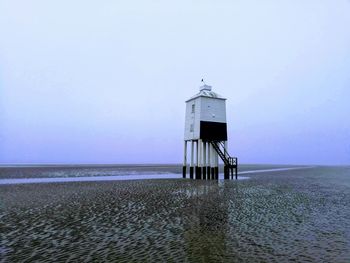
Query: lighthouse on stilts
pixel 206 132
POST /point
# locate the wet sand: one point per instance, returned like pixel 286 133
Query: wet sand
pixel 8 181
pixel 295 215
pixel 44 171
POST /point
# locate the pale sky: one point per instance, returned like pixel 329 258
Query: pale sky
pixel 106 81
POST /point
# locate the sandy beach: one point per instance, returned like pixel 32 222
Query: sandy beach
pixel 299 215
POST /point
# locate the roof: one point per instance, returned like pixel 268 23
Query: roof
pixel 205 91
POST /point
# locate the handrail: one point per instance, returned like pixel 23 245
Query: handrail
pixel 225 151
pixel 225 156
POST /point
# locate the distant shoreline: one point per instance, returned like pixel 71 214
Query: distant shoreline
pixel 86 165
pixel 146 165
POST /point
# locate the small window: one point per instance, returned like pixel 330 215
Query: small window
pixel 193 108
pixel 191 128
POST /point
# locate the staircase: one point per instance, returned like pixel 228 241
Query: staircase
pixel 230 162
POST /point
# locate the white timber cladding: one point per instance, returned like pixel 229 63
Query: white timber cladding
pixel 192 119
pixel 213 110
pixel 203 109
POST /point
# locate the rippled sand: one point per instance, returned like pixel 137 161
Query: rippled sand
pixel 299 215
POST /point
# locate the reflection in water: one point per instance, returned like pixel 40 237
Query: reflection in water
pixel 205 235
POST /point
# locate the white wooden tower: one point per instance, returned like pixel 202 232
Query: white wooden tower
pixel 206 131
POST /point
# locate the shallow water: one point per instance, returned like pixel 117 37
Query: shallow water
pixel 122 177
pixel 45 171
pixel 281 216
pixel 125 177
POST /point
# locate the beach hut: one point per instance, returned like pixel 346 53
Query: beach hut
pixel 206 132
